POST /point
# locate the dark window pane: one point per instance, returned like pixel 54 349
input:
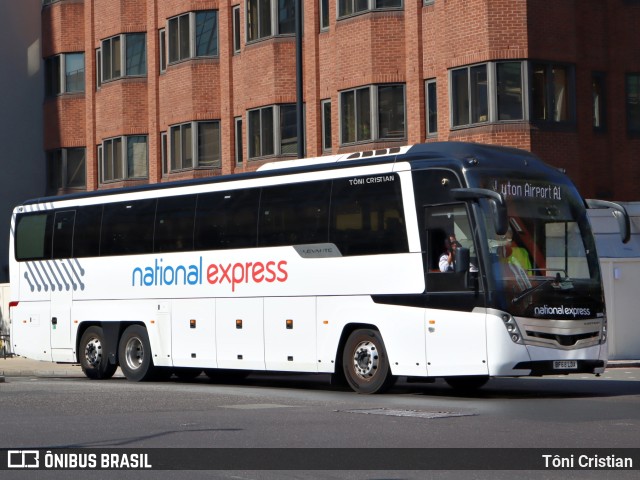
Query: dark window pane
pixel 63 234
pixel 76 168
pixel 479 94
pixel 287 16
pixel 116 58
pixel 207 33
pixel 137 156
pixel 86 240
pixel 255 148
pixel 326 126
pixel 175 219
pixel 633 103
pixel 267 131
pixel 367 216
pixel 208 144
pixel 432 108
pixel 236 29
pixel 33 236
pixel 539 93
pixel 509 91
pixel 52 76
pixel 348 117
pixel 226 220
pixel 55 166
pixel 136 54
pixel 294 214
pixel 174 42
pixel 363 114
pixel 184 37
pixel 74 72
pixel 288 128
pixel 265 18
pixel 388 3
pixel 127 228
pixel 460 87
pixel 391 111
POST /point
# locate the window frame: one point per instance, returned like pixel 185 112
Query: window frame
pixel 326 126
pixel 123 57
pixel 276 136
pixel 373 114
pixel 124 159
pixel 56 81
pixel 63 172
pixel 193 145
pixel 371 6
pixel 431 127
pixel 237 29
pixel 190 51
pixel 274 23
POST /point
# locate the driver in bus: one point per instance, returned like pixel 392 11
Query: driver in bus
pixel 447 259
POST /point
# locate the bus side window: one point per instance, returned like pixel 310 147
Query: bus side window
pixel 63 226
pixel 86 234
pixel 294 214
pixel 367 216
pixel 227 220
pixel 127 228
pixel 33 236
pixel 175 217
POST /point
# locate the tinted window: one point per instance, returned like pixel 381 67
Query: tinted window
pixel 367 216
pixel 227 220
pixel 128 228
pixel 63 234
pixel 294 214
pixel 175 218
pixel 86 240
pixel 33 236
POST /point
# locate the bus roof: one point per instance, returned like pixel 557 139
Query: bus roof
pixel 459 152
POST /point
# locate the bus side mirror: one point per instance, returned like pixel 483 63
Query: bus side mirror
pixel 619 213
pixel 498 205
pixel 462 260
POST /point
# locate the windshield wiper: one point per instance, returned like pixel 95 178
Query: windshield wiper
pixel 557 282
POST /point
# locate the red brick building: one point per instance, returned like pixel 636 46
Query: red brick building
pixel 146 91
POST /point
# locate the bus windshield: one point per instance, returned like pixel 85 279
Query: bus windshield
pixel 546 262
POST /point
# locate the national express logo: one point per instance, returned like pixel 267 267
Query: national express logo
pixel 230 274
pixel 561 310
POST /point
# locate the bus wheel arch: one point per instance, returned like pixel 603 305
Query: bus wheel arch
pixel 94 354
pixel 364 360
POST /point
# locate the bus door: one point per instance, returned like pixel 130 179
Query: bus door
pixel 455 327
pixel 65 279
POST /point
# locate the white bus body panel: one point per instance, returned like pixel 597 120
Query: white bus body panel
pixel 194 346
pixel 504 354
pixel 456 342
pixel 240 346
pixel 290 348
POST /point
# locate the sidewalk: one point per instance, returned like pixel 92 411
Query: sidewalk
pixel 23 367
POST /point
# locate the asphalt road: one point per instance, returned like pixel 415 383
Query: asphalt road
pixel 304 411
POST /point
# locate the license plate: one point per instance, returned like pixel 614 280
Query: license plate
pixel 565 364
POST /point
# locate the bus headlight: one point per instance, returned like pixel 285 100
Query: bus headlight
pixel 512 328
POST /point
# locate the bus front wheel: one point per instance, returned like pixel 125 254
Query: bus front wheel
pixel 93 356
pixel 134 354
pixel 365 362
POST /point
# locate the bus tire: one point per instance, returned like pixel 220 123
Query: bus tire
pixel 469 383
pixel 134 354
pixel 365 362
pixel 93 357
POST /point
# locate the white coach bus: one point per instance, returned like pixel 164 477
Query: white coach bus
pixel 327 265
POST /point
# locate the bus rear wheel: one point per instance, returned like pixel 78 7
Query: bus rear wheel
pixel 93 356
pixel 365 362
pixel 134 354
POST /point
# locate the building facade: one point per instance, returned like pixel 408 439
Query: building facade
pixel 21 78
pixel 148 91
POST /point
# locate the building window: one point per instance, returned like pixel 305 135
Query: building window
pixel 64 73
pixel 164 152
pixel 324 15
pixel 124 56
pixel 236 29
pixel 428 2
pixel 431 107
pixel 123 158
pixel 325 105
pixel 552 92
pixel 599 100
pixel 633 102
pixel 194 145
pixel 490 92
pixel 469 99
pixel 67 168
pixel 354 7
pixel 266 18
pixel 193 34
pixel 272 131
pixel 162 49
pixel 238 139
pixel 372 113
